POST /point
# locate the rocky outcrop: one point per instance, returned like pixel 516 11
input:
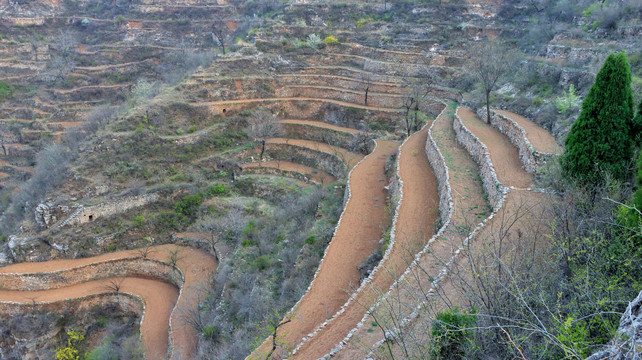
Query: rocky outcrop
pixel 628 339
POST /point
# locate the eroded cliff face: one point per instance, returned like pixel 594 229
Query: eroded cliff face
pixel 627 343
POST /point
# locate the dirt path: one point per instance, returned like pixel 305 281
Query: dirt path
pixel 362 224
pixel 315 175
pixel 346 156
pixel 342 103
pixel 320 124
pixel 196 266
pixel 417 215
pixel 468 204
pixel 541 139
pixel 503 154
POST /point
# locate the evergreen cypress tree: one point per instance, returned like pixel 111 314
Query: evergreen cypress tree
pixel 602 139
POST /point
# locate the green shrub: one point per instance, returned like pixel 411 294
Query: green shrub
pixel 311 239
pixel 101 321
pixel 191 129
pixel 179 177
pixel 262 262
pixel 249 229
pixel 139 221
pixel 169 220
pixel 211 332
pixel 71 351
pixel 361 22
pixel 451 333
pixel 188 205
pixel 567 101
pixel 537 101
pixel 330 40
pixel 218 189
pixel 6 90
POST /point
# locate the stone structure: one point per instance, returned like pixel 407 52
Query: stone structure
pixel 627 343
pixel 109 208
pixel 479 153
pixel 529 157
pixel 131 266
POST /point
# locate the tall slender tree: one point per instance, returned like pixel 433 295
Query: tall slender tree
pixel 602 139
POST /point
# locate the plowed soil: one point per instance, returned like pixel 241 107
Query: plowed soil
pixel 197 267
pixel 418 213
pixel 503 154
pixel 362 224
pixel 541 139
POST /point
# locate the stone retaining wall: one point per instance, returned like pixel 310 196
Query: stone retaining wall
pixel 439 168
pixel 390 101
pixel 515 134
pixel 125 302
pixel 318 134
pixel 109 208
pixel 479 153
pixel 264 170
pixel 346 199
pixel 446 221
pixel 131 266
pixel 330 163
pixel 266 85
pixel 529 157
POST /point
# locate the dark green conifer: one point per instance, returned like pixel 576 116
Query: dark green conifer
pixel 602 139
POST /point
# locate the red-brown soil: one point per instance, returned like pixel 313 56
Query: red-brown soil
pixel 159 299
pixel 468 204
pixel 196 266
pixel 362 224
pixel 503 154
pixel 418 213
pixel 541 139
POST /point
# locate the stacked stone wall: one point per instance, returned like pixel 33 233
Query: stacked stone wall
pixel 479 153
pixel 132 266
pixel 264 170
pixel 315 133
pixel 126 303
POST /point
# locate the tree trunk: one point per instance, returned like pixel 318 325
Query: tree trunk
pixel 262 149
pixel 366 100
pixel 488 107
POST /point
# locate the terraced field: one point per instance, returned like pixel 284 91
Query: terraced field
pixel 452 177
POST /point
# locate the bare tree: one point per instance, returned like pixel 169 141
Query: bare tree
pixel 212 226
pixel 489 62
pixel 263 125
pixel 366 81
pixel 220 31
pixel 412 100
pixel 114 284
